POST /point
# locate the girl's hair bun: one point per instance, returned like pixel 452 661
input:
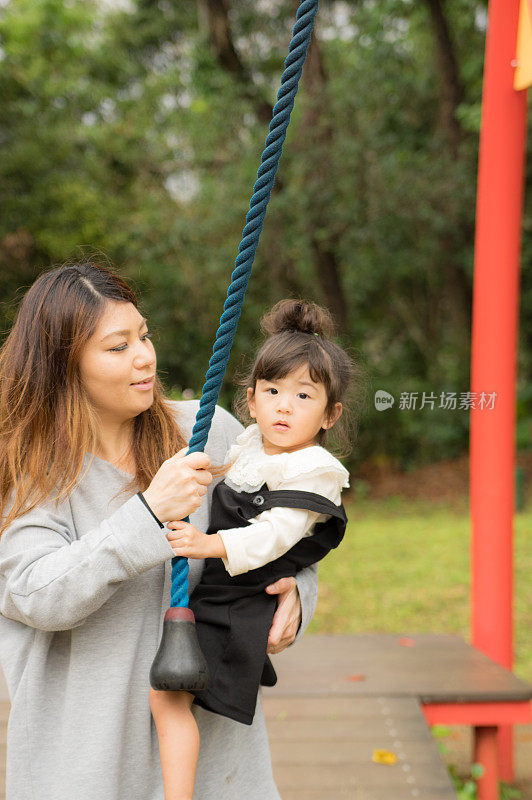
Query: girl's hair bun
pixel 298 315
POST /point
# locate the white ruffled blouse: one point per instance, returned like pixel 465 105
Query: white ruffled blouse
pixel 273 532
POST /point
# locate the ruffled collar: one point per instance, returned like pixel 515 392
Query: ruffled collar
pixel 253 467
pixel 248 455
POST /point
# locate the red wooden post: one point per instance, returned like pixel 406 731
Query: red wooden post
pixel 494 345
pixel 486 754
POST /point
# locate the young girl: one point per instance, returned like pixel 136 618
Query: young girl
pixel 277 510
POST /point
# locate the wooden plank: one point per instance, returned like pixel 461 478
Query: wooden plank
pixel 323 748
pixel 435 668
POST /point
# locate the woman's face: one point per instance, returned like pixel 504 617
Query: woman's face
pixel 117 356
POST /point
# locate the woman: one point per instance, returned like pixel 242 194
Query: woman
pixel 84 565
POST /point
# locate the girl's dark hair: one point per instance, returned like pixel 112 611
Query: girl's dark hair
pixel 300 332
pixel 47 423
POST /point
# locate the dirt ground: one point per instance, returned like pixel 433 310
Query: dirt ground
pixel 442 482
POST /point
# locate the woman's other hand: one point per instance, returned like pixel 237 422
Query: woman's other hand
pixel 178 487
pixel 287 618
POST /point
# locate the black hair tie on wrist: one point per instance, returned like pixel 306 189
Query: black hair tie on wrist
pixel 157 520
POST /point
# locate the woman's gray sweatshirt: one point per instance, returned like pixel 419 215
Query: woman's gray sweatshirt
pixel 83 592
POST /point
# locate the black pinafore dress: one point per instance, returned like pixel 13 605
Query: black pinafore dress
pixel 234 614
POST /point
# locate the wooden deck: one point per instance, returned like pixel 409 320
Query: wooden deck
pixel 322 749
pixel 340 698
pixel 435 668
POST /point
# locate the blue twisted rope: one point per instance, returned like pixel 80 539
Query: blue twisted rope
pixel 246 254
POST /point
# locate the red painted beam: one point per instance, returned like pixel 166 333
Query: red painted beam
pixel 478 714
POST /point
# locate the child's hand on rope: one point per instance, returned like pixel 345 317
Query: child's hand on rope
pixel 188 541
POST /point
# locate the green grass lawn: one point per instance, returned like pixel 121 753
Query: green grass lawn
pixel 404 567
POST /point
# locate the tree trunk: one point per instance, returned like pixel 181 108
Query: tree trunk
pixel 213 16
pixel 319 135
pixel 452 92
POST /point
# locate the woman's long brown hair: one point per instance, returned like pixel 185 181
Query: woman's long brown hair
pixel 47 424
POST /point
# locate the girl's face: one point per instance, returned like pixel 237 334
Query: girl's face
pixel 116 357
pixel 290 411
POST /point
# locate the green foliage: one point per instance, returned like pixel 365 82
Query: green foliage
pixel 466 787
pixel 123 133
